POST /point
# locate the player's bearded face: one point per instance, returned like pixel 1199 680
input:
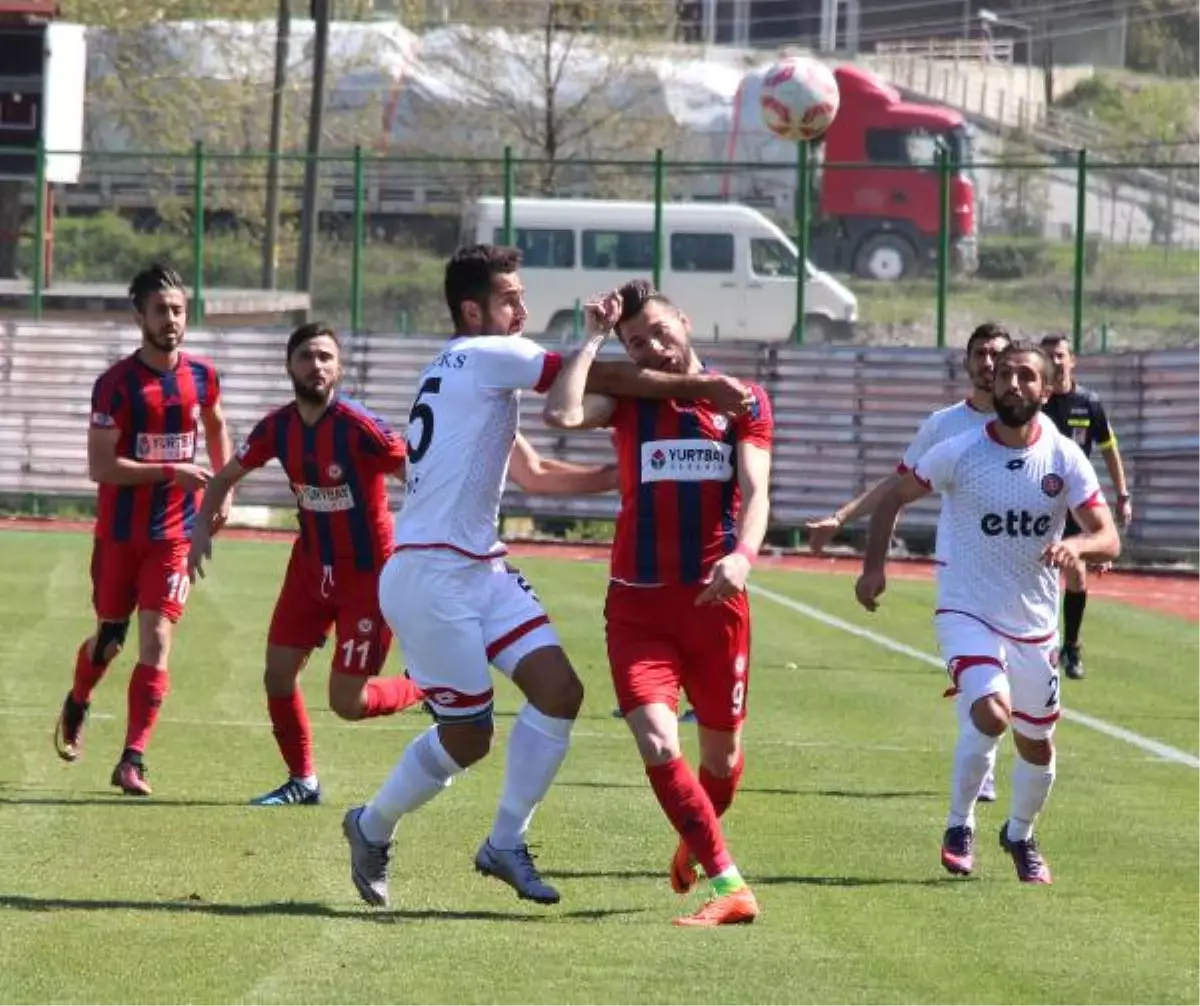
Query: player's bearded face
pixel 504 311
pixel 1020 390
pixel 657 339
pixel 981 364
pixel 163 320
pixel 315 369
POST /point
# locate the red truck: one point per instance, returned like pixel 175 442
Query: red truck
pixel 879 217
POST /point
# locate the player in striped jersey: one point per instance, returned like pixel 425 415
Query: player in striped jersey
pixel 146 411
pixel 694 511
pixel 337 457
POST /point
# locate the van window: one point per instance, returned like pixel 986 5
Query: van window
pixel 542 249
pixel 702 253
pixel 630 251
pixel 771 257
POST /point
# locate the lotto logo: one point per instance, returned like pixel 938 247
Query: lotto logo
pixel 1015 524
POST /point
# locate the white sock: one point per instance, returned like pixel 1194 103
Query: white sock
pixel 1031 789
pixel 536 748
pixel 422 773
pixel 309 782
pixel 974 755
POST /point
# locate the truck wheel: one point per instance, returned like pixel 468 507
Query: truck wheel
pixel 886 257
pixel 817 328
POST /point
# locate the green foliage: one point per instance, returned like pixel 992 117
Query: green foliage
pixel 1163 37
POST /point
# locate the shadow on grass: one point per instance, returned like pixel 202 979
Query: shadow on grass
pixel 755 880
pixel 310 909
pixel 839 794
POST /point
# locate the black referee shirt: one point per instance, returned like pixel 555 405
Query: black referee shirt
pixel 1079 414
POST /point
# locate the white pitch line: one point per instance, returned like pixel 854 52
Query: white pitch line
pixel 1157 748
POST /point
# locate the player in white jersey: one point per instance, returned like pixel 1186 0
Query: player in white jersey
pixel 452 600
pixel 1006 491
pixel 971 413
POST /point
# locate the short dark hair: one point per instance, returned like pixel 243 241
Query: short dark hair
pixel 1054 341
pixel 635 295
pixel 986 332
pixel 306 333
pixel 470 271
pixel 1022 346
pixel 154 279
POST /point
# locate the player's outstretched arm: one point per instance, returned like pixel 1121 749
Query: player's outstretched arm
pixel 106 468
pixel 624 379
pixel 215 502
pixel 567 406
pixel 548 477
pixel 822 530
pixel 873 582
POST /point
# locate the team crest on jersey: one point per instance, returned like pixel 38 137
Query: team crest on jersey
pixel 334 471
pixel 365 625
pixel 657 460
pixel 720 422
pixel 1052 484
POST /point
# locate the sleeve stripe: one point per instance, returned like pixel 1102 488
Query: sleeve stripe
pixel 551 365
pixel 901 468
pixel 1095 500
pixel 924 481
pixel 1108 444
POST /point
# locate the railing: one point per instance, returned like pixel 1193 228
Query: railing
pixel 843 417
pixel 959 49
pixel 1065 244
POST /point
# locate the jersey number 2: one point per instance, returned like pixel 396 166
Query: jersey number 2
pixel 424 412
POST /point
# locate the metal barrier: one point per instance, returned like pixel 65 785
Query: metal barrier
pixel 843 416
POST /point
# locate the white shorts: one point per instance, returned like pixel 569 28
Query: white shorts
pixel 982 661
pixel 453 616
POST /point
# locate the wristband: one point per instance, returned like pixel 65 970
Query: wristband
pixel 168 473
pixel 1123 496
pixel 747 551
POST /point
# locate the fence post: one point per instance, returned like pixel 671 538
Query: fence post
pixel 198 233
pixel 356 253
pixel 508 196
pixel 39 230
pixel 1080 249
pixel 659 173
pixel 802 215
pixel 943 258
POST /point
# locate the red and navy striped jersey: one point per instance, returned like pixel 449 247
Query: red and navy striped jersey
pixel 338 470
pixel 157 413
pixel 678 467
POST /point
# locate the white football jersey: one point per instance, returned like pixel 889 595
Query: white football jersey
pixel 942 425
pixel 460 434
pixel 1000 507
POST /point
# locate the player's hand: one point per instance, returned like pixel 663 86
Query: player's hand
pixel 221 517
pixel 191 478
pixel 729 578
pixel 821 532
pixel 728 394
pixel 1124 511
pixel 603 312
pixel 870 587
pixel 199 553
pixel 1062 555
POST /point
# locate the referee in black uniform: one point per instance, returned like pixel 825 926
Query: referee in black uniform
pixel 1079 414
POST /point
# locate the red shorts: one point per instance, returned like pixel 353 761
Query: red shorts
pixel 150 575
pixel 314 598
pixel 659 641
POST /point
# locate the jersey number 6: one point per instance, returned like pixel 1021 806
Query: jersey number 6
pixel 424 412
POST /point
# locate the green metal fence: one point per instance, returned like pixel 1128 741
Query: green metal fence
pixel 1106 252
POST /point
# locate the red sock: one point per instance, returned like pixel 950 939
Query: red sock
pixel 87 675
pixel 690 811
pixel 720 789
pixel 147 689
pixel 390 695
pixel 293 733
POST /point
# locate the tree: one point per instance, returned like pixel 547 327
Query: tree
pixel 572 81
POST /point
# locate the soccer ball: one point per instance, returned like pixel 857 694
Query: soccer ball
pixel 799 99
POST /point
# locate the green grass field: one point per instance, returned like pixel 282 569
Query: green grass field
pixel 193 896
